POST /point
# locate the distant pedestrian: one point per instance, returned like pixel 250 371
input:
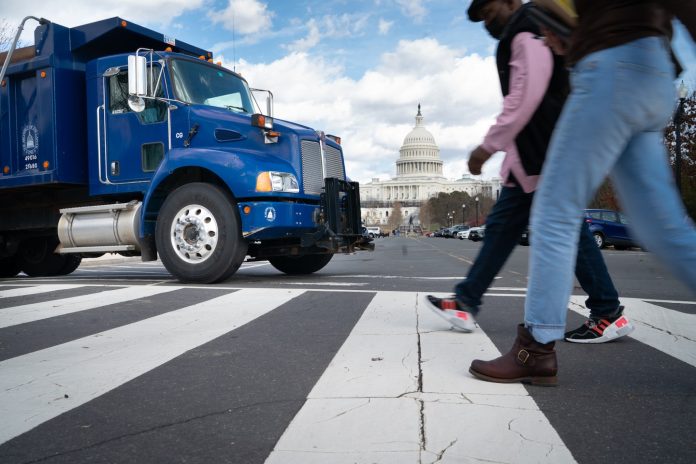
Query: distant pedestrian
pixel 622 98
pixel 535 85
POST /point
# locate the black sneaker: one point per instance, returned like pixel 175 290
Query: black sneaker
pixel 601 329
pixel 453 312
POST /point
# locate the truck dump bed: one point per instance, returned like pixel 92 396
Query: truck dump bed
pixel 43 113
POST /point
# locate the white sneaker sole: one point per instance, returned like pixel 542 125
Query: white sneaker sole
pixel 619 328
pixel 460 320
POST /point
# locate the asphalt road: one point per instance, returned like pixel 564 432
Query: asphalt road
pixel 118 362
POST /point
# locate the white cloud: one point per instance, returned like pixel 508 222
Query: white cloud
pixel 153 12
pixel 244 17
pixel 459 93
pixel 413 9
pixel 310 41
pixel 384 26
pixel 330 26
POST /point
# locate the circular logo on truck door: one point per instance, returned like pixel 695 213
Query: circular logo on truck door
pixel 30 140
pixel 270 214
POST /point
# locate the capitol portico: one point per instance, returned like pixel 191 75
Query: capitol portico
pixel 419 177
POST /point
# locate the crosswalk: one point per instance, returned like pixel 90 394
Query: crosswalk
pixel 334 376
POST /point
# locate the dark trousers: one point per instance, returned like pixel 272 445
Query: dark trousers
pixel 504 226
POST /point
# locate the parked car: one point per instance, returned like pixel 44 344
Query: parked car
pixel 464 234
pixel 452 231
pixel 376 232
pixel 609 228
pixel 477 233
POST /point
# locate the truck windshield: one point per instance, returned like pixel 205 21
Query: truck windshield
pixel 204 84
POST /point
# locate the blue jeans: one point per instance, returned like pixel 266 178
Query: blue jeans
pixel 504 225
pixel 612 123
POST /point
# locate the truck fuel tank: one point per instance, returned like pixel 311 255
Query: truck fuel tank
pixel 103 228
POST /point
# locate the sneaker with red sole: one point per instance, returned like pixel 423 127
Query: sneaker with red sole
pixel 601 329
pixel 450 310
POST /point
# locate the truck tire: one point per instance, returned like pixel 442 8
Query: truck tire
pixel 37 257
pixel 9 267
pixel 295 265
pixel 198 234
pixel 72 262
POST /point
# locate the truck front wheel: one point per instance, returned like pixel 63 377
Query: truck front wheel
pixel 295 265
pixel 198 234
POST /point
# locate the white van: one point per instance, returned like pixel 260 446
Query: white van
pixel 374 232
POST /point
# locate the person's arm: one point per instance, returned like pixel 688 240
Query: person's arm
pixel 685 11
pixel 531 67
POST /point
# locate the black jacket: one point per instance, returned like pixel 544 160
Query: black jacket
pixel 533 141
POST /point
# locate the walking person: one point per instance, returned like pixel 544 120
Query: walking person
pixel 534 83
pixel 622 97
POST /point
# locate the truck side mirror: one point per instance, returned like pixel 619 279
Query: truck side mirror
pixel 137 75
pixel 137 82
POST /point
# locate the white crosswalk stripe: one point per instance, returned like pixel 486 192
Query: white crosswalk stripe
pixel 41 385
pixel 669 331
pixel 35 290
pixel 369 396
pixel 36 311
pixel 397 391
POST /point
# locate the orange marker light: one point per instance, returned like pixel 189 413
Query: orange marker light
pixel 219 63
pixel 201 57
pixel 45 164
pixel 6 170
pixel 210 60
pixel 247 209
pixel 124 24
pixel 168 49
pixel 263 182
pixel 43 74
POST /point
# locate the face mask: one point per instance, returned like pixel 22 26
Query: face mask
pixel 495 29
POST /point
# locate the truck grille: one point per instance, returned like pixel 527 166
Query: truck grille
pixel 312 176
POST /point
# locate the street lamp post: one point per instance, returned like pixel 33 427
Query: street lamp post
pixel 463 213
pixel 477 210
pixel 677 134
pixel 454 219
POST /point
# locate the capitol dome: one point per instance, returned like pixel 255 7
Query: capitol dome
pixel 419 156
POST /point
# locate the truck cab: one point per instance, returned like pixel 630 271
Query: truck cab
pixel 143 145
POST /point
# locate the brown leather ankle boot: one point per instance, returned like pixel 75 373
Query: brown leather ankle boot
pixel 527 361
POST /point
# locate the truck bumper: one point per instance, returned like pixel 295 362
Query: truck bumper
pixel 263 220
pixel 332 226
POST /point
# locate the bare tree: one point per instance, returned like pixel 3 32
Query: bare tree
pixel 7 33
pixel 687 133
pixel 396 217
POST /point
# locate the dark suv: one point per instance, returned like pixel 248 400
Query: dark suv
pixel 609 228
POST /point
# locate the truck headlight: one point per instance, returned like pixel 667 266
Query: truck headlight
pixel 273 181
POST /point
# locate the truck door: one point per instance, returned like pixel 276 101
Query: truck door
pixel 134 143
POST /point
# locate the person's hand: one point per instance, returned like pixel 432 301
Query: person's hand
pixel 554 42
pixel 477 158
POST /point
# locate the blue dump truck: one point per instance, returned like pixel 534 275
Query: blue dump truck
pixel 117 139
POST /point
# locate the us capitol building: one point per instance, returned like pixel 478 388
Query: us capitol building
pixel 418 178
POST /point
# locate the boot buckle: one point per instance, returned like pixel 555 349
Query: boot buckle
pixel 523 356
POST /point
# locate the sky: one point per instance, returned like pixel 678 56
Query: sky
pixel 353 68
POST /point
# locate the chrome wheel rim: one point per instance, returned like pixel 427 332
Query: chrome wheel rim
pixel 194 234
